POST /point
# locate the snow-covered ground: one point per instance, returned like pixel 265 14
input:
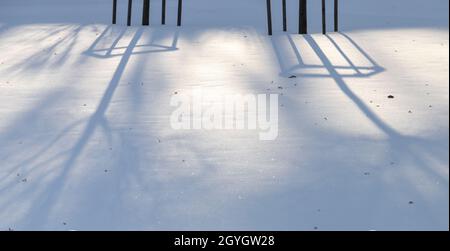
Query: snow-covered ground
pixel 86 141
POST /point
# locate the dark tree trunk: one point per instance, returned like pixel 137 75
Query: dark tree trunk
pixel 303 17
pixel 163 12
pixel 130 6
pixel 284 16
pixel 336 15
pixel 146 13
pixel 114 14
pixel 269 17
pixel 180 11
pixel 324 18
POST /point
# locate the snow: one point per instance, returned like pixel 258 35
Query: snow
pixel 86 141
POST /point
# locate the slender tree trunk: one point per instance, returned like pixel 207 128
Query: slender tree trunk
pixel 146 13
pixel 130 6
pixel 163 12
pixel 114 13
pixel 303 17
pixel 180 11
pixel 284 15
pixel 269 17
pixel 324 17
pixel 336 15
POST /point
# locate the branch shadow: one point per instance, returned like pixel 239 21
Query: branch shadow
pixel 291 70
pixel 406 146
pixel 46 200
pixel 55 55
pixel 110 52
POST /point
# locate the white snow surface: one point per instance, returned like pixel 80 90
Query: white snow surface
pixel 86 141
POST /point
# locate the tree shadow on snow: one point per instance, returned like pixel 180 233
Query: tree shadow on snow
pixel 45 200
pixel 418 153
